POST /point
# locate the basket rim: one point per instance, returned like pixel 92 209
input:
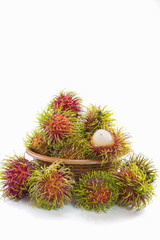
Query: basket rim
pixel 66 161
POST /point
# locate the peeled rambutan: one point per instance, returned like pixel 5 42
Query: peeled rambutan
pixel 14 177
pixel 110 145
pixel 55 125
pixel 67 101
pixel 135 189
pixel 97 118
pixel 96 191
pixel 37 142
pixel 51 187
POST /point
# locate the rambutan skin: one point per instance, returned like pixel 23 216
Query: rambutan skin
pixel 119 148
pixel 135 188
pixel 144 164
pixel 38 143
pixel 75 147
pixel 96 118
pixel 56 126
pixel 96 191
pixel 14 177
pixel 51 187
pixel 67 101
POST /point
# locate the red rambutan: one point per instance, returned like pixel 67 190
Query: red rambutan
pixel 14 176
pixel 96 191
pixel 38 143
pixel 57 126
pixel 67 101
pixel 144 164
pixel 135 188
pixel 51 187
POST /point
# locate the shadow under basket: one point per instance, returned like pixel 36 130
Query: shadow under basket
pixel 77 167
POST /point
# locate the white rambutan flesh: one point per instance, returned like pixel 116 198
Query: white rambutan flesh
pixel 102 138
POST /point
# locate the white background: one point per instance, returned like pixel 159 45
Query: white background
pixel 109 53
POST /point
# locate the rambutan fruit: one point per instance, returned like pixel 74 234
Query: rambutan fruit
pixel 144 164
pixel 67 101
pixel 14 177
pixel 110 145
pixel 75 147
pixel 96 191
pixel 56 125
pixel 51 187
pixel 135 188
pixel 37 142
pixel 97 118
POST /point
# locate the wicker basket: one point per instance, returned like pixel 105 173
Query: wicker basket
pixel 77 166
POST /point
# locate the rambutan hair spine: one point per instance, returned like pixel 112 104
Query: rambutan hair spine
pixel 136 180
pixel 37 142
pixel 96 191
pixel 51 187
pixel 110 145
pixel 97 117
pixel 14 175
pixel 57 125
pixel 67 101
pixel 75 147
pixel 143 163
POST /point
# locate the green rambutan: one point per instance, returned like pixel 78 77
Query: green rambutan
pixel 110 145
pixel 135 188
pixel 37 142
pixel 97 118
pixel 14 177
pixel 96 191
pixel 51 187
pixel 56 125
pixel 67 101
pixel 144 164
pixel 75 147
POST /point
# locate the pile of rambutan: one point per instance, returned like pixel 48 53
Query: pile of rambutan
pixel 68 130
